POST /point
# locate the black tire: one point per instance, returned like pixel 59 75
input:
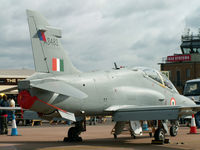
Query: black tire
pixel 115 136
pixel 66 139
pixel 73 135
pixel 79 139
pixel 159 135
pixel 173 130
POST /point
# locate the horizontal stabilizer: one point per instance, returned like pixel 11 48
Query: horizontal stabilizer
pixel 10 108
pixel 60 87
pixel 67 115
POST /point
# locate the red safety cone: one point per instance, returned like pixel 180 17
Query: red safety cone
pixel 193 128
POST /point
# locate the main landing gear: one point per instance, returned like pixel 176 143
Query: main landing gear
pixel 159 134
pixel 74 132
pixel 162 129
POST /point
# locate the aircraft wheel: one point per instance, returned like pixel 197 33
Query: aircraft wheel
pixel 73 135
pixel 159 135
pixel 115 136
pixel 173 130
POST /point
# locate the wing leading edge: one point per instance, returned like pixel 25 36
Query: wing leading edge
pixel 132 112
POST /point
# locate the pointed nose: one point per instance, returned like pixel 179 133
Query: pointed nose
pixel 185 101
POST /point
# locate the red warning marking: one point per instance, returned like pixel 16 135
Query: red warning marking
pixel 173 101
pixel 26 101
pixel 50 105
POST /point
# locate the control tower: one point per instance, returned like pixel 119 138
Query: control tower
pixel 190 43
pixel 186 65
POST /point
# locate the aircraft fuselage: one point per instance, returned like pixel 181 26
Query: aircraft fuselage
pixel 105 89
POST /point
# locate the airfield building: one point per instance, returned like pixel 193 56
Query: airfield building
pixel 186 65
pixel 10 78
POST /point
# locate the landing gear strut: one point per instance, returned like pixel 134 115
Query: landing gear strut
pixel 174 128
pixel 160 132
pixel 74 132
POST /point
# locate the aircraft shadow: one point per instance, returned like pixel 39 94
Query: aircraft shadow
pixel 104 143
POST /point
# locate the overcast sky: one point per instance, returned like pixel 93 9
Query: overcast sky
pixel 97 33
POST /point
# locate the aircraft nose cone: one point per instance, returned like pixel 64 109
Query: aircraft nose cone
pixel 187 101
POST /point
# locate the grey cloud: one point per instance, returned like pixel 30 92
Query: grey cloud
pixel 97 33
pixel 193 19
pixel 120 8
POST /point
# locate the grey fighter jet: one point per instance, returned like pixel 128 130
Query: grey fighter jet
pixel 58 89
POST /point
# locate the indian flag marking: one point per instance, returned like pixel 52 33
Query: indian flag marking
pixel 57 64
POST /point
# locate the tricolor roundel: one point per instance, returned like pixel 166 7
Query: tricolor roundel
pixel 57 64
pixel 173 101
pixel 41 36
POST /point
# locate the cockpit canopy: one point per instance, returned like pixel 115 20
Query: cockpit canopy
pixel 158 77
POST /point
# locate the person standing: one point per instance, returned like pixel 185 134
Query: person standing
pixel 3 114
pixel 12 103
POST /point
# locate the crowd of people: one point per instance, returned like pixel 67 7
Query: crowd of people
pixel 5 102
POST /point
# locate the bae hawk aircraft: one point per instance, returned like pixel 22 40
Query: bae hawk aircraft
pixel 58 89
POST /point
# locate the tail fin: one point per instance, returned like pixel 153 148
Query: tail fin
pixel 49 55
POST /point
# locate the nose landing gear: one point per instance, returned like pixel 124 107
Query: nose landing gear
pixel 73 135
pixel 74 132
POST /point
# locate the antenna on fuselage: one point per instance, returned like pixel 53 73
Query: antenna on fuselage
pixel 116 66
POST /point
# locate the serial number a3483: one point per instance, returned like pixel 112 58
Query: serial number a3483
pixel 52 41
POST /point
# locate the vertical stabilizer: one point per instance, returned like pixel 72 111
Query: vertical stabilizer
pixel 48 53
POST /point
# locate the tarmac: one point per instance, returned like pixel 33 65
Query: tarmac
pixel 97 137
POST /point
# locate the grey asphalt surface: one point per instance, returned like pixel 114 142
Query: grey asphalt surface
pixel 96 137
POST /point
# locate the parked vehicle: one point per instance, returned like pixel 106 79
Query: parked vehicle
pixel 192 90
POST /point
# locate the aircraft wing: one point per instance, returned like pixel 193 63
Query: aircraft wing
pixel 132 112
